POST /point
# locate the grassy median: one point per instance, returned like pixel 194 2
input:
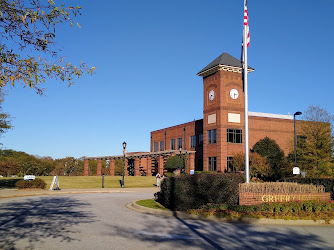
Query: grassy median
pixel 150 203
pixel 88 182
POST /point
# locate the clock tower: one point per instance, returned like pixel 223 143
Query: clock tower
pixel 223 112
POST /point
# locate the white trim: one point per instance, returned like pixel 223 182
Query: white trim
pixel 224 68
pixel 258 114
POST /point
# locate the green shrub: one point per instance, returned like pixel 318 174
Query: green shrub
pixel 328 183
pixel 193 191
pixel 315 210
pixel 175 162
pixel 169 174
pixel 205 172
pixel 285 207
pixel 37 183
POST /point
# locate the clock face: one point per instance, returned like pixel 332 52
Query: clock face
pixel 211 95
pixel 234 94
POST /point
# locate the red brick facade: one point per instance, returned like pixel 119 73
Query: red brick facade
pixel 223 113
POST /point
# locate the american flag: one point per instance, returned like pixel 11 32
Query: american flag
pixel 246 24
pixel 246 28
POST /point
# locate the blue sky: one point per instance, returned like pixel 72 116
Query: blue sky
pixel 147 54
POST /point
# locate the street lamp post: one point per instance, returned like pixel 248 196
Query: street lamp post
pixel 180 149
pixel 186 162
pixel 107 163
pixel 295 169
pixel 123 170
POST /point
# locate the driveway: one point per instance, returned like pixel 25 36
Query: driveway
pixel 101 221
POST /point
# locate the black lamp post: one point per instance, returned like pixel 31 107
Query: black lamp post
pixel 180 149
pixel 123 170
pixel 294 128
pixel 107 163
pixel 186 161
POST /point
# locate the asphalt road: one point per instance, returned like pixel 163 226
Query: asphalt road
pixel 101 221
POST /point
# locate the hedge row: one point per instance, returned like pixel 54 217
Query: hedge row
pixel 293 206
pixel 309 210
pixel 193 191
pixel 328 183
pixel 37 183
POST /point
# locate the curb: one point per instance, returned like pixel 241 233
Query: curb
pixel 254 221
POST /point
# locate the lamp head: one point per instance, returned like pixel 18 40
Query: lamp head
pixel 124 145
pixel 180 149
pixel 298 113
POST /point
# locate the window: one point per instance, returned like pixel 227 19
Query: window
pixel 234 135
pixel 200 140
pixel 172 144
pixel 230 167
pixel 193 141
pixel 161 146
pixel 212 136
pixel 155 147
pixel 212 163
pixel 179 143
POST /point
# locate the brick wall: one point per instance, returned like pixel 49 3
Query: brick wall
pixel 184 131
pixel 257 198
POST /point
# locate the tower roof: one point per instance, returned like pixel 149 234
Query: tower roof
pixel 224 59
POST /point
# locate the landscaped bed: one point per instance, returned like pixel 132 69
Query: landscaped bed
pixel 296 210
pixel 307 210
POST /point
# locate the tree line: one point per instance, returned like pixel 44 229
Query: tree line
pixel 17 163
pixel 20 163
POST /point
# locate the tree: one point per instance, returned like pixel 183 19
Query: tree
pixel 314 143
pixel 258 166
pixel 268 148
pixel 118 166
pixel 67 166
pixel 4 118
pixel 9 166
pixel 174 162
pixel 28 54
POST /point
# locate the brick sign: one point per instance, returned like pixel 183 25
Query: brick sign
pixel 247 198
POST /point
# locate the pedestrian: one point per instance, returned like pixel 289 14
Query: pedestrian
pixel 158 176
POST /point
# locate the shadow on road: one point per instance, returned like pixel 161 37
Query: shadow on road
pixel 203 234
pixel 34 220
pixel 9 183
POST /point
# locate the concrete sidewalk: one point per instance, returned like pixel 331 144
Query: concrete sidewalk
pixel 12 192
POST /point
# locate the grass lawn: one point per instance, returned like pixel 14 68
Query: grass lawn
pixel 151 204
pixel 87 182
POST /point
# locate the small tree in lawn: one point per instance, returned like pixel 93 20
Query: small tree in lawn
pixel 268 148
pixel 175 162
pixel 9 166
pixel 315 142
pixel 258 166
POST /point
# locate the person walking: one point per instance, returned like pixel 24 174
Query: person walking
pixel 158 176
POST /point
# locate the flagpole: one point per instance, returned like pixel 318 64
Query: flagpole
pixel 246 99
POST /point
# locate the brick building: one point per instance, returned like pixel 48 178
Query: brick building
pixel 220 134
